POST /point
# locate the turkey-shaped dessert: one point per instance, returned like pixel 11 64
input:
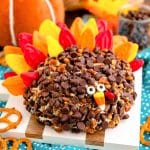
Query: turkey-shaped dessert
pixel 74 79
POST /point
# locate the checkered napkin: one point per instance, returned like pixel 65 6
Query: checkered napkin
pixel 145 109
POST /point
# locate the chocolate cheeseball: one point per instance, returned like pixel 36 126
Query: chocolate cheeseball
pixel 63 96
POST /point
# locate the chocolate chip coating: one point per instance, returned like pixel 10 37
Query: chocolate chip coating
pixel 59 97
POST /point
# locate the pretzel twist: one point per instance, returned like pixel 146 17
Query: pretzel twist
pixel 3 144
pixel 145 128
pixel 5 119
pixel 10 139
pixel 23 140
pixel 16 143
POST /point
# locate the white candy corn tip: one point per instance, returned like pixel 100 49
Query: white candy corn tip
pixel 102 107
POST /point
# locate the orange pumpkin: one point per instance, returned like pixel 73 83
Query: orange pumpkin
pixel 25 16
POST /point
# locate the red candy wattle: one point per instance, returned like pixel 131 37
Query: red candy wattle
pixel 104 40
pixel 66 39
pixel 110 96
pixel 24 38
pixel 29 77
pixel 9 74
pixel 102 25
pixel 136 64
pixel 33 56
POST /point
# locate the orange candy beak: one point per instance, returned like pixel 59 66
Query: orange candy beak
pixel 99 98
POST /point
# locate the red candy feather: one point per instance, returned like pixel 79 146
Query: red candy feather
pixel 66 39
pixel 9 74
pixel 136 64
pixel 33 56
pixel 102 25
pixel 24 38
pixel 104 40
pixel 29 77
pixel 62 25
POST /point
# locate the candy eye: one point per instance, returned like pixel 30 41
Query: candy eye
pixel 101 87
pixel 91 90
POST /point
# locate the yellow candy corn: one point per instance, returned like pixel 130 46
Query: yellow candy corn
pixel 49 28
pixel 54 48
pixel 17 63
pixel 134 50
pixel 92 25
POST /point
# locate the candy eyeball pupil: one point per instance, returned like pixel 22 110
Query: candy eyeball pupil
pixel 101 87
pixel 91 90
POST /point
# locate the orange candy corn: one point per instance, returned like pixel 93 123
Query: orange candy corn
pixel 87 39
pixel 76 28
pixel 14 85
pixel 99 98
pixel 118 40
pixel 39 42
pixel 12 50
pixel 126 51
